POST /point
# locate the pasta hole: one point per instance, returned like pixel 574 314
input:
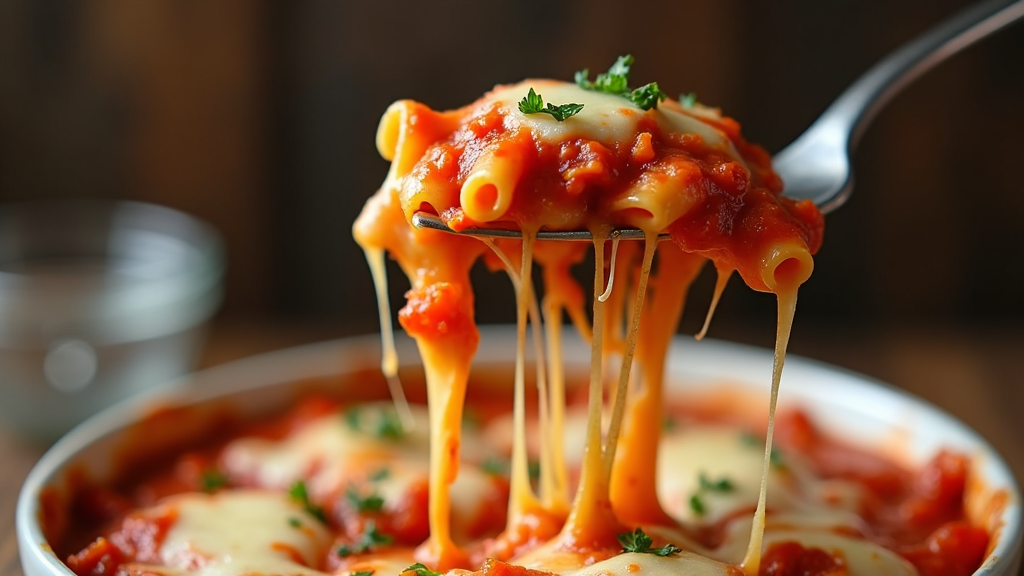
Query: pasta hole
pixel 486 197
pixel 789 273
pixel 427 208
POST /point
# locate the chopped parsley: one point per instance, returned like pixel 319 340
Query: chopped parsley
pixel 775 458
pixel 212 480
pixel 688 100
pixel 533 468
pixel 353 416
pixel 616 81
pixel 495 467
pixel 639 542
pixel 379 475
pixel 421 570
pixel 708 485
pixel 533 103
pixel 721 485
pixel 363 573
pixel 299 493
pixel 388 425
pixel 647 96
pixel 370 539
pixel 295 523
pixel 372 503
pixel 697 504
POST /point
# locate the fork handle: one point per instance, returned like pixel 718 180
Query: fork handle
pixel 844 121
pixel 857 106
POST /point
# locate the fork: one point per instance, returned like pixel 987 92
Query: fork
pixel 816 166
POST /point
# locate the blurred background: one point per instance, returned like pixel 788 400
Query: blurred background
pixel 259 117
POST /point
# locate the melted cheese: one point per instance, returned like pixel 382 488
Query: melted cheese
pixel 862 558
pixel 241 532
pixel 609 119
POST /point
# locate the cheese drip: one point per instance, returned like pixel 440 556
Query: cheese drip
pixel 687 172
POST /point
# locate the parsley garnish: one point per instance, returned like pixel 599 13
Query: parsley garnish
pixel 533 469
pixel 371 538
pixel 212 480
pixel 533 103
pixel 352 417
pixel 721 485
pixel 495 467
pixel 647 96
pixel 697 504
pixel 639 542
pixel 775 458
pixel 389 425
pixel 379 475
pixel 421 570
pixel 295 523
pixel 363 573
pixel 299 493
pixel 372 503
pixel 708 485
pixel 688 100
pixel 616 81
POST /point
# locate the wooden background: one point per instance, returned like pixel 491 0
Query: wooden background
pixel 259 117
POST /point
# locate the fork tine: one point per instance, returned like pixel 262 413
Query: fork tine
pixel 426 220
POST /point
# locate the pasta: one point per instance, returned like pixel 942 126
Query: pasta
pixel 685 171
pixel 615 492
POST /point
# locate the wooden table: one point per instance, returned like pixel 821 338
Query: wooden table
pixel 976 373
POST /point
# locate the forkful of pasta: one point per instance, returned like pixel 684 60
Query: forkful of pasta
pixel 814 168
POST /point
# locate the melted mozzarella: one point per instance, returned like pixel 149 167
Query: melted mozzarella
pixel 606 118
pixel 649 565
pixel 241 532
pixel 862 558
pixel 329 454
pixel 717 453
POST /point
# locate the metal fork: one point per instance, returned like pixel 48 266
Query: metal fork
pixel 816 166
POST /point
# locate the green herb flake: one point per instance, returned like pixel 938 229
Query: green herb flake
pixel 421 570
pixel 533 468
pixel 721 485
pixel 299 493
pixel 390 426
pixel 647 96
pixel 533 103
pixel 295 523
pixel 370 539
pixel 494 467
pixel 353 418
pixel 371 503
pixel 362 573
pixel 380 475
pixel 775 458
pixel 697 505
pixel 750 440
pixel 212 480
pixel 616 81
pixel 688 100
pixel 639 542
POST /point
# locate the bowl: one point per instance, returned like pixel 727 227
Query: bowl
pixel 864 411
